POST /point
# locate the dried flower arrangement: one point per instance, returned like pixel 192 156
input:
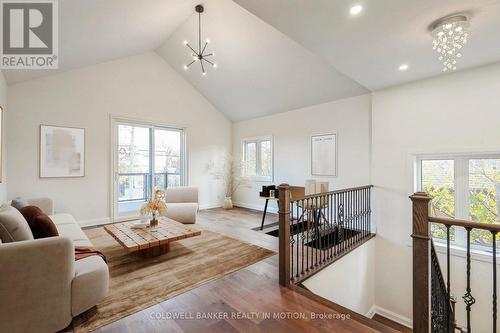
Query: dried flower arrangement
pixel 154 207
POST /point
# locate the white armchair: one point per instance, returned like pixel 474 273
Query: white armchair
pixel 182 204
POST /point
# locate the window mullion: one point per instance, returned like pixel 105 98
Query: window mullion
pixel 461 198
pixel 258 162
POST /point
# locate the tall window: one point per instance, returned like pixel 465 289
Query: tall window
pixel 258 158
pixel 463 187
pixel 147 157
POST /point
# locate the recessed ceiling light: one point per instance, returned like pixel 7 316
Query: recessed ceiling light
pixel 355 10
pixel 403 67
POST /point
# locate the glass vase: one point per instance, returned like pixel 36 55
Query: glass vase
pixel 153 224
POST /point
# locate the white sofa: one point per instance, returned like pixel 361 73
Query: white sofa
pixel 42 287
pixel 182 204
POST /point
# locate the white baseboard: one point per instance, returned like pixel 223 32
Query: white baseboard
pixel 94 222
pixel 371 312
pixel 402 320
pixel 210 206
pixel 256 207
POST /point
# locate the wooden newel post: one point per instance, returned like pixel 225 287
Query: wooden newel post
pixel 421 268
pixel 284 234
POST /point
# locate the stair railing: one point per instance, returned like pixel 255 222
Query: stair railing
pixel 427 304
pixel 316 230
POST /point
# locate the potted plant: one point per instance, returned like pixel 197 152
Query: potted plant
pixel 154 207
pixel 230 172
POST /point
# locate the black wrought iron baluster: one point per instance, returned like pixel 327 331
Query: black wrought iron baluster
pixel 365 202
pixel 350 220
pixel 357 217
pixel 448 282
pixel 292 241
pixel 469 300
pixel 316 231
pixel 494 254
pixel 355 223
pixel 297 235
pixel 303 233
pixel 331 235
pixel 326 217
pixel 308 209
pixel 336 225
pixel 369 211
pixel 323 229
pixel 341 223
pixel 363 214
pixel 440 303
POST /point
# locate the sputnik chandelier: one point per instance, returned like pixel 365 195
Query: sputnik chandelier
pixel 449 37
pixel 202 54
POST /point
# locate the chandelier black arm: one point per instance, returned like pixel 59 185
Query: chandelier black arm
pixel 191 48
pixel 204 47
pixel 208 55
pixel 211 63
pixel 202 67
pixel 192 62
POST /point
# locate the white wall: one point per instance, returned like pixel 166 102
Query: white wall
pixel 291 131
pixel 453 113
pixel 3 103
pixel 143 87
pixel 350 281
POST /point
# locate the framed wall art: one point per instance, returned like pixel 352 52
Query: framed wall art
pixel 62 152
pixel 324 155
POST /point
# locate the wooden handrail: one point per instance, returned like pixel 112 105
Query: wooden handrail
pixel 464 223
pixel 309 196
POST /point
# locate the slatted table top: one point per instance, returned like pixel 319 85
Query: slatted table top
pixel 140 239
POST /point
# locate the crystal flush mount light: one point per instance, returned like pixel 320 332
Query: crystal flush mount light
pixel 201 54
pixel 449 37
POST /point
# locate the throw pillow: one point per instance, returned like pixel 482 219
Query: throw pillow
pixel 19 203
pixel 13 226
pixel 40 224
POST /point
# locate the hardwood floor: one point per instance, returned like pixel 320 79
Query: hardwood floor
pixel 239 302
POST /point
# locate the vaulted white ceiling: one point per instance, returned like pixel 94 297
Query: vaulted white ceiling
pixel 95 31
pixel 276 55
pixel 261 70
pixel 370 46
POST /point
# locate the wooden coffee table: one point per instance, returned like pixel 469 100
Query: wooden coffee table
pixel 146 242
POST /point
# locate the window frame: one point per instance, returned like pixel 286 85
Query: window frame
pixel 114 122
pixel 258 162
pixel 461 183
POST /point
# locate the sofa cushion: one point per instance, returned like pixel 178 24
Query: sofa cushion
pixel 182 212
pixel 90 284
pixel 40 224
pixel 13 226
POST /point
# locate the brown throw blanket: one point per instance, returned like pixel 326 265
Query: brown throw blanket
pixel 87 251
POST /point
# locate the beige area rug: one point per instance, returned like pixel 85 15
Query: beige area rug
pixel 137 283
